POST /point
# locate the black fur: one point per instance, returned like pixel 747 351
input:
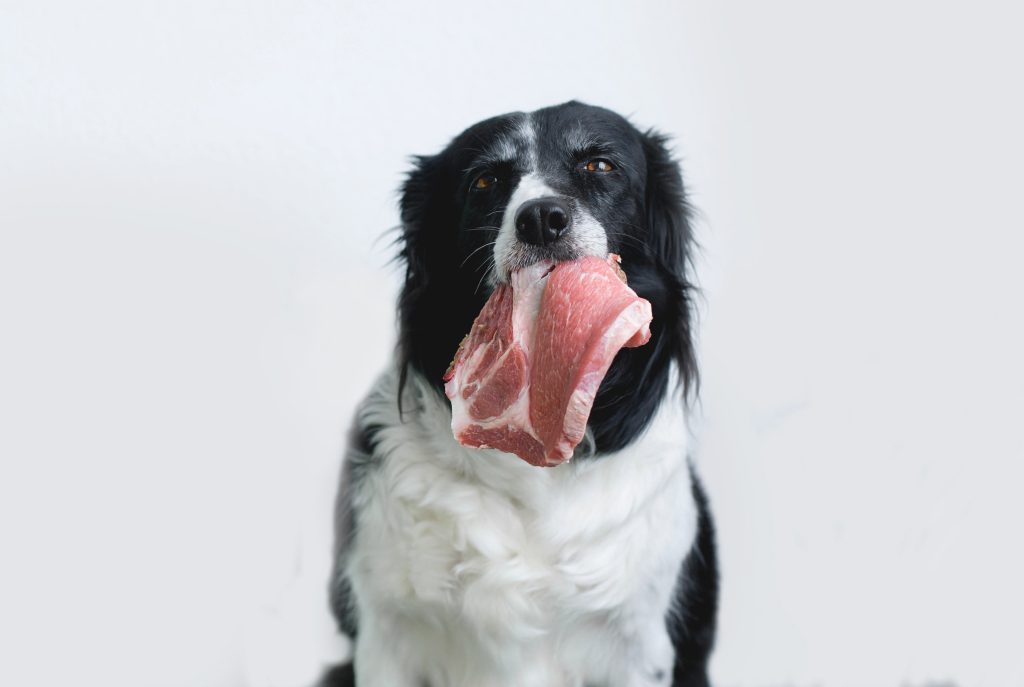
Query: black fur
pixel 339 676
pixel 692 623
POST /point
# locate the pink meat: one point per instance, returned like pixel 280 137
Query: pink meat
pixel 525 377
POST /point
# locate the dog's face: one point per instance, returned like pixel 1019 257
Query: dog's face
pixel 555 184
pixel 558 184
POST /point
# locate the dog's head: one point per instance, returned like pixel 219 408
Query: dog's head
pixel 558 183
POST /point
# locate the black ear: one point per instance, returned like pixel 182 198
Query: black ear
pixel 670 236
pixel 418 212
pixel 436 306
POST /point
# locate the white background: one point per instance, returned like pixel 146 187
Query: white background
pixel 192 302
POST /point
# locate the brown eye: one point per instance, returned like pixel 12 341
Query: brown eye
pixel 599 165
pixel 485 181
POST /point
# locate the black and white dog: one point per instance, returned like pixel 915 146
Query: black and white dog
pixel 471 568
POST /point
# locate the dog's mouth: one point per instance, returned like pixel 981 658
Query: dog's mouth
pixel 523 256
pixel 520 256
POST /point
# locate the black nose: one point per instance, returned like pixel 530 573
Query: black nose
pixel 542 221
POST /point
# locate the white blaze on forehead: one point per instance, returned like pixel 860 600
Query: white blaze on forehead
pixel 527 132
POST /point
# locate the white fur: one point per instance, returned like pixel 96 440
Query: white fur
pixel 471 568
pixel 529 134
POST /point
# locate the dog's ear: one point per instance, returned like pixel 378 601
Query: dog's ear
pixel 668 213
pixel 418 206
pixel 670 236
pixel 420 197
pixel 435 306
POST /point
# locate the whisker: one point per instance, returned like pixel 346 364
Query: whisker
pixel 484 276
pixel 638 242
pixel 475 251
pixel 486 264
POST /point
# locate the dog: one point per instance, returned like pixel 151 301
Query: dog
pixel 460 567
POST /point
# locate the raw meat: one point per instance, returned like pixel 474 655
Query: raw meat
pixel 525 377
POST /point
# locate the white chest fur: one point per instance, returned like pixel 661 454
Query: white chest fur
pixel 472 567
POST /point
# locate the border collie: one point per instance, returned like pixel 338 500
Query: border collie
pixel 458 567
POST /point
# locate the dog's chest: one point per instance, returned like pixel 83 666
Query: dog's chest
pixel 475 568
pixel 485 540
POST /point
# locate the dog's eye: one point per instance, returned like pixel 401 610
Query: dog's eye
pixel 599 165
pixel 485 181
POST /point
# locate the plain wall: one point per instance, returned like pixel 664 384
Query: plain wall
pixel 195 294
